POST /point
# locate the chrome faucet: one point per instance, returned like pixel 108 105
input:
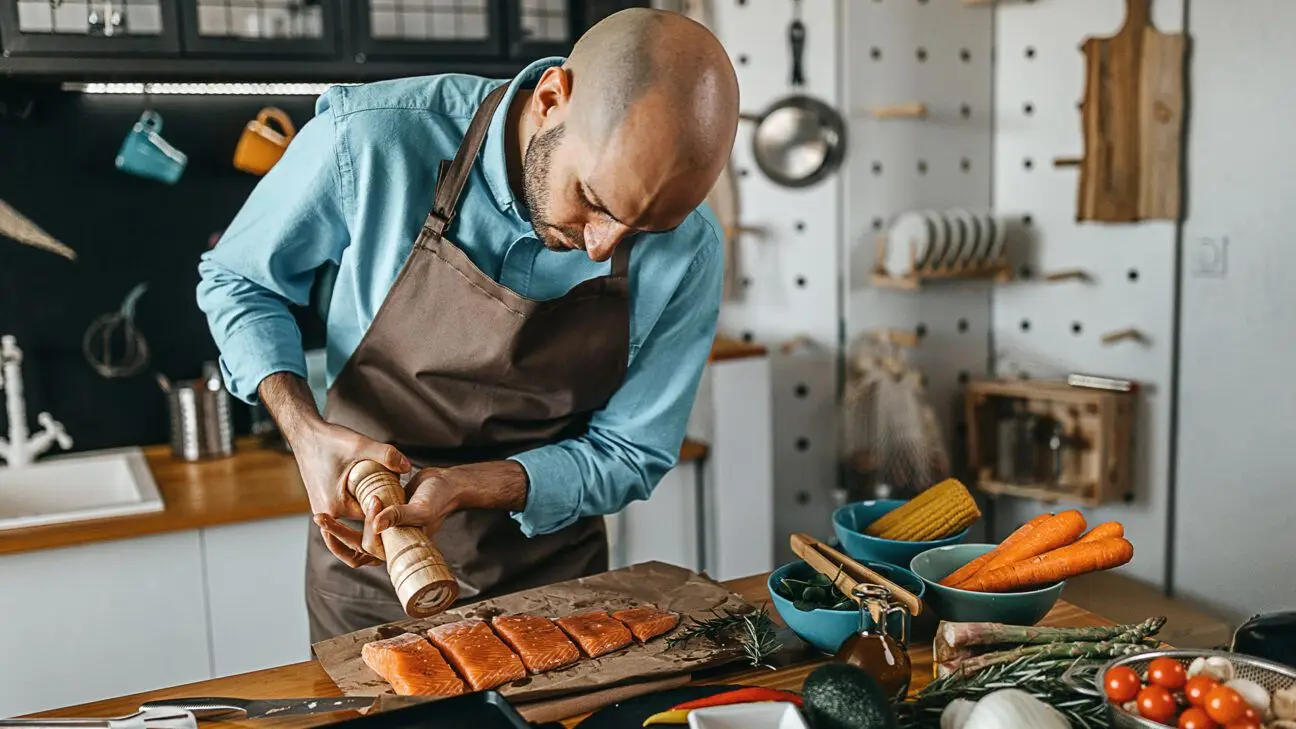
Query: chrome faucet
pixel 21 448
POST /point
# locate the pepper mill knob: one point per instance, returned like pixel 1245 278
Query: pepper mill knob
pixel 423 581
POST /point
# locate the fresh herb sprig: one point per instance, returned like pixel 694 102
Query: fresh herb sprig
pixel 754 630
pixel 816 593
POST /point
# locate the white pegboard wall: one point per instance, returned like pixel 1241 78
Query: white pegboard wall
pixel 938 53
pixel 790 265
pixel 1052 329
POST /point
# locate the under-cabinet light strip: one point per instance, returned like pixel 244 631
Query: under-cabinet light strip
pixel 204 89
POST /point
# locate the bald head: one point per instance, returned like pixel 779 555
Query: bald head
pixel 636 127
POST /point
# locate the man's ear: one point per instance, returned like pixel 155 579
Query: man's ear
pixel 552 95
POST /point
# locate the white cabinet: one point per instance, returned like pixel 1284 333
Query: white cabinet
pixel 100 620
pixel 256 581
pixel 663 528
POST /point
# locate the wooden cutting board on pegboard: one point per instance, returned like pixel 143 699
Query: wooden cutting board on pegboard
pixel 1133 122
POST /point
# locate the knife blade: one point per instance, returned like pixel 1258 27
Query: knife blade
pixel 217 707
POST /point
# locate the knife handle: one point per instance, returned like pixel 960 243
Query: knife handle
pixel 423 580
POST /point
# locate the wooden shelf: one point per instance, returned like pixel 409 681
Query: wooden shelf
pixel 1047 493
pixel 996 270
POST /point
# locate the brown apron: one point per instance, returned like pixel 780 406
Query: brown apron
pixel 456 368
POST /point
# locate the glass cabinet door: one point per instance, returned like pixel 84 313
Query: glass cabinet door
pixel 125 27
pixel 539 28
pixel 261 27
pixel 440 28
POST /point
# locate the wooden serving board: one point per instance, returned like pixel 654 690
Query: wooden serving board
pixel 652 583
pixel 1132 122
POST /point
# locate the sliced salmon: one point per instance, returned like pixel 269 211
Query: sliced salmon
pixel 412 666
pixel 478 654
pixel 596 633
pixel 646 623
pixel 542 646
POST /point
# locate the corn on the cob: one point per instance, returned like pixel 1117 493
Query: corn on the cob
pixel 947 509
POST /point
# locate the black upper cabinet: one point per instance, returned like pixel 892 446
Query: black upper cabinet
pixel 428 28
pixel 267 28
pixel 89 27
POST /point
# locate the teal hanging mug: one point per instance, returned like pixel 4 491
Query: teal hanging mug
pixel 145 153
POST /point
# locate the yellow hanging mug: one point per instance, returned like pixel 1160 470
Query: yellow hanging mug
pixel 261 146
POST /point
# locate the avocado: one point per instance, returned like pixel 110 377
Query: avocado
pixel 841 696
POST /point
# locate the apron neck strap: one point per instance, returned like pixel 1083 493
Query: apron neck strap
pixel 453 175
pixel 621 258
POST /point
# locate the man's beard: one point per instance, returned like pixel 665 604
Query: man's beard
pixel 535 190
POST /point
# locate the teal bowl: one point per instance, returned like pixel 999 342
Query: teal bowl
pixel 1012 608
pixel 850 521
pixel 827 629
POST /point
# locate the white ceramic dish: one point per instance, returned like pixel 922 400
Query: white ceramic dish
pixel 764 715
pixel 978 236
pixel 909 229
pixel 957 239
pixel 940 238
pixel 998 240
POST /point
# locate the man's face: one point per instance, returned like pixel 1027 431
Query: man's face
pixel 591 197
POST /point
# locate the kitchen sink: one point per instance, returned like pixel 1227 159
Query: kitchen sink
pixel 78 487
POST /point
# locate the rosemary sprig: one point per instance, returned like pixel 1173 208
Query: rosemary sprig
pixel 1039 676
pixel 754 630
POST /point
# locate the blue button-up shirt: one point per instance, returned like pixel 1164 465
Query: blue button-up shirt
pixel 347 199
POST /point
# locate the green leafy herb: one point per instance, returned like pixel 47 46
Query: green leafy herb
pixel 816 593
pixel 754 629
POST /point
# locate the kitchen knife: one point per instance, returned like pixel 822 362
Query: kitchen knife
pixel 217 707
pixel 155 717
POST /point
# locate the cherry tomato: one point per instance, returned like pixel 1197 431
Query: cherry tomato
pixel 1167 672
pixel 1122 684
pixel 1197 688
pixel 1244 723
pixel 1224 705
pixel 1250 714
pixel 1196 718
pixel 1157 704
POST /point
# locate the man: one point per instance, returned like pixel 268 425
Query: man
pixel 522 387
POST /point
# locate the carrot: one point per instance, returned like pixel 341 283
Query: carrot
pixel 971 568
pixel 1060 530
pixel 1105 530
pixel 1053 566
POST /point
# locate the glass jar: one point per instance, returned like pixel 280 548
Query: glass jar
pixel 872 648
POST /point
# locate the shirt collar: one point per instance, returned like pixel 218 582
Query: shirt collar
pixel 494 160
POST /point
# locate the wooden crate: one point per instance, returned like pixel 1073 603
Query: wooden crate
pixel 1097 427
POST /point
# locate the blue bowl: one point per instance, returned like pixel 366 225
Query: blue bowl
pixel 850 521
pixel 966 606
pixel 827 629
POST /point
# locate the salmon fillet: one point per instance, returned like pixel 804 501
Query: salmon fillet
pixel 646 623
pixel 542 646
pixel 596 633
pixel 412 666
pixel 478 654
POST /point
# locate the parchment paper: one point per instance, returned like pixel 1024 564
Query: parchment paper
pixel 651 583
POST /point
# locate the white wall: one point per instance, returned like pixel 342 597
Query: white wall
pixel 1235 531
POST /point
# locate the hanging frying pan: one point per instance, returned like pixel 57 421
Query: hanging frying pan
pixel 799 140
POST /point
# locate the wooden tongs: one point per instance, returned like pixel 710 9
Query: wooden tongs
pixel 846 573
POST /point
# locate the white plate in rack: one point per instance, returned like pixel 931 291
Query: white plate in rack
pixel 909 229
pixel 942 238
pixel 974 237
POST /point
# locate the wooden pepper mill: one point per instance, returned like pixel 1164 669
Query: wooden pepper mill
pixel 423 581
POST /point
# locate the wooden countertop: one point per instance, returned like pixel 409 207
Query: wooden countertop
pixel 254 483
pixel 308 679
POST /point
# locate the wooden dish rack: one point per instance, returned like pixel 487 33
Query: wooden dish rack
pixel 1090 462
pixel 996 269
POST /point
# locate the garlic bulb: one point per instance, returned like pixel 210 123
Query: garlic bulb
pixel 1014 709
pixel 1217 667
pixel 1253 693
pixel 956 714
pixel 1284 704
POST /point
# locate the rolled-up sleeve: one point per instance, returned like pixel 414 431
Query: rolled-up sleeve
pixel 266 259
pixel 636 438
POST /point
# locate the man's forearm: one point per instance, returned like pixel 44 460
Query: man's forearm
pixel 489 485
pixel 290 402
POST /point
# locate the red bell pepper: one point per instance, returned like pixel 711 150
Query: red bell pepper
pixel 745 695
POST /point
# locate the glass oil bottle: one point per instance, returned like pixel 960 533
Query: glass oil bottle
pixel 872 648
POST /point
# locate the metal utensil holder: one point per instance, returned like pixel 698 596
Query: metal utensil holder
pixel 201 424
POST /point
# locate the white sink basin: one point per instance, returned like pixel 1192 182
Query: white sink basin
pixel 77 487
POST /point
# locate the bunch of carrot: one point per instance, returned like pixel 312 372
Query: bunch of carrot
pixel 1045 550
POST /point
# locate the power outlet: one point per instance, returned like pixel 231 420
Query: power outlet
pixel 1210 257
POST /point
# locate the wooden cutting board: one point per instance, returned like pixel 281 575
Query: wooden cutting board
pixel 1133 122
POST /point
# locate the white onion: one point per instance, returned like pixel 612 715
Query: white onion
pixel 1253 693
pixel 956 714
pixel 1014 709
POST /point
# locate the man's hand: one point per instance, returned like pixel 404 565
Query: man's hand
pixel 436 493
pixel 325 454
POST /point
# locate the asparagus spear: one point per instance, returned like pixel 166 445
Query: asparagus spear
pixel 955 635
pixel 1088 650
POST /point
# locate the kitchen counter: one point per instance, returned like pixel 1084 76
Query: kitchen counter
pixel 308 679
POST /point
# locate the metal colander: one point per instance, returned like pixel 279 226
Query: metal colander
pixel 1272 676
